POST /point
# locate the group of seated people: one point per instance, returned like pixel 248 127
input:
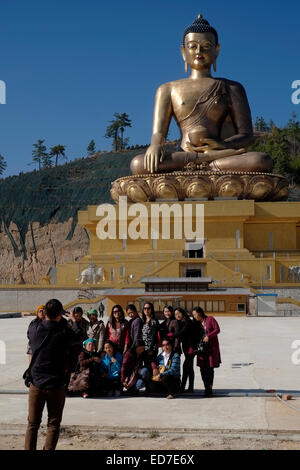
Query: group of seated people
pixel 110 372
pixel 124 356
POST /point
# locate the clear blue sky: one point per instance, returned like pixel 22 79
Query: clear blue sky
pixel 70 64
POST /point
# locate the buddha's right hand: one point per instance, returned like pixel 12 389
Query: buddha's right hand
pixel 154 154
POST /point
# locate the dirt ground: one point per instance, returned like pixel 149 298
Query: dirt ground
pixel 73 438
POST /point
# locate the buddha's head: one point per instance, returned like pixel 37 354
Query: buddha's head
pixel 200 46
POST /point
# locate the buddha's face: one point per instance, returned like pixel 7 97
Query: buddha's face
pixel 200 50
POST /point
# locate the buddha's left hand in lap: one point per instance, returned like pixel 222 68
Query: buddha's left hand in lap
pixel 211 155
pixel 205 144
pixel 211 149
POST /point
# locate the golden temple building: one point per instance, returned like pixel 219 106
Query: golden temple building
pixel 248 247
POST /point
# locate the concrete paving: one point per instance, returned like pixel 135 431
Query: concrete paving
pixel 256 356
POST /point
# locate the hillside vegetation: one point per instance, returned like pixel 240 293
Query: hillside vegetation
pixel 56 194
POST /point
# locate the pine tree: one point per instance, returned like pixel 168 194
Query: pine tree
pixel 58 151
pixel 116 130
pixel 261 125
pixel 91 148
pixel 39 154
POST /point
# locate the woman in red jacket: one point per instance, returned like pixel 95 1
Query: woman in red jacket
pixel 118 329
pixel 207 361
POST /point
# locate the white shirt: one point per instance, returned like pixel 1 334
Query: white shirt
pixel 166 358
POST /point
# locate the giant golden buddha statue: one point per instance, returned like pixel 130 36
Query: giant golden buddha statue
pixel 214 118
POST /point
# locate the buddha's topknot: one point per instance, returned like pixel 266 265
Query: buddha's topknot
pixel 200 25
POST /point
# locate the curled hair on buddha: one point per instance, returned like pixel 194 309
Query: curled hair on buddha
pixel 200 25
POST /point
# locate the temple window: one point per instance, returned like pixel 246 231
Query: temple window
pixel 237 239
pixel 194 249
pixel 271 240
pixel 122 270
pixel 124 242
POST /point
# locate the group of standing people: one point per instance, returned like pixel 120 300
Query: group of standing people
pixel 113 351
pixel 106 359
pixel 137 344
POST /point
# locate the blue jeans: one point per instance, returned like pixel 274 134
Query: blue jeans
pixel 143 378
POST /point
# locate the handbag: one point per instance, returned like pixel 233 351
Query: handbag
pixel 202 347
pixel 162 369
pixel 79 381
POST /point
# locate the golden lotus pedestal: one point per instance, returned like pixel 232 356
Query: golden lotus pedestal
pixel 199 184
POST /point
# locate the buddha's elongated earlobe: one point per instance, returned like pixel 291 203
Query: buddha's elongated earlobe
pixel 185 66
pixel 215 65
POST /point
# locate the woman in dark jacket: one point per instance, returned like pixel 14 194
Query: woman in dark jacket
pixel 95 329
pixel 135 324
pixel 208 361
pixel 150 332
pixel 184 340
pixel 79 326
pixel 89 358
pixel 168 327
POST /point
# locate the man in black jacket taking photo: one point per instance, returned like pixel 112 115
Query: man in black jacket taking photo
pixel 53 339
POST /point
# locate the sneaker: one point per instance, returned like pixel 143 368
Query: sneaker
pixel 85 395
pixel 170 397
